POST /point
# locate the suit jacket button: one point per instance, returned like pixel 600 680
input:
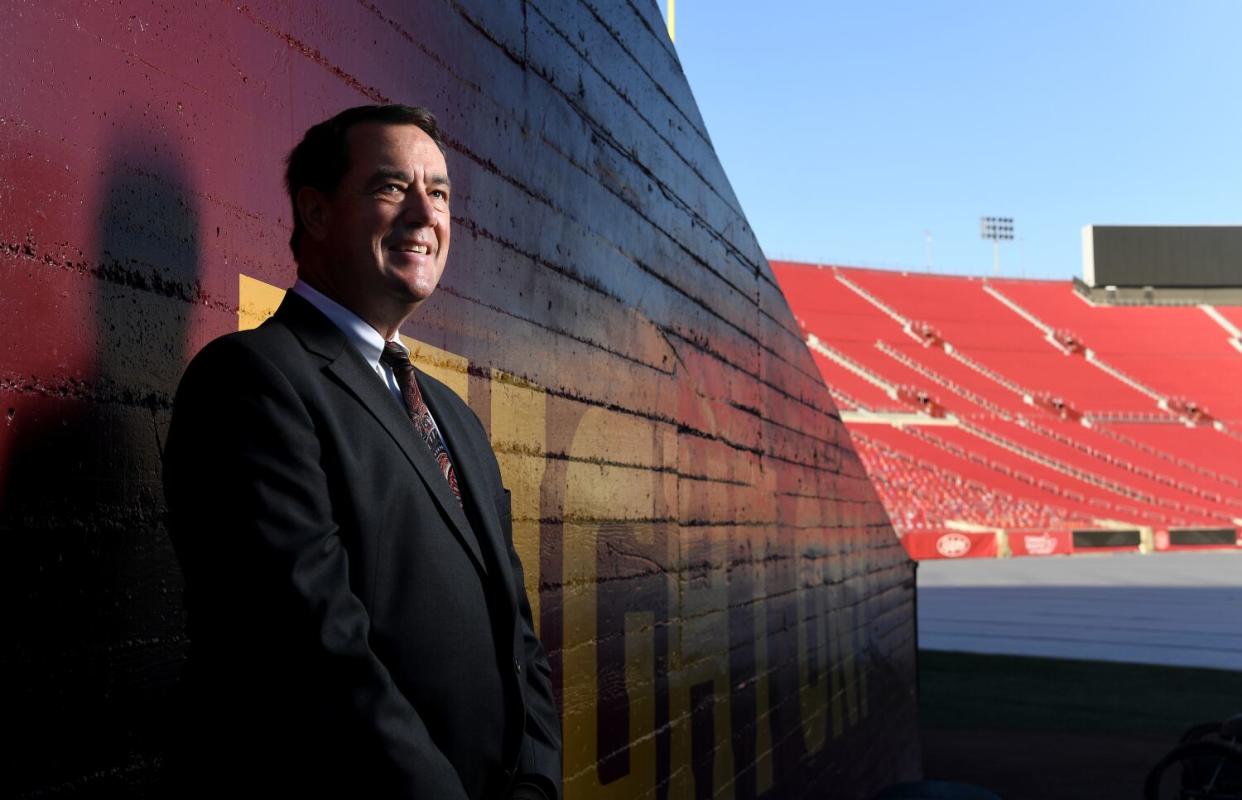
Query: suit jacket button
pixel 517 665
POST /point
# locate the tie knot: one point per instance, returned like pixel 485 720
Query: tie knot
pixel 394 356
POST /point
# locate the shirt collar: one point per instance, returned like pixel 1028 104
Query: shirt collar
pixel 365 339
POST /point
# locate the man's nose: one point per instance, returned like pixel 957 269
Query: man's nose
pixel 418 211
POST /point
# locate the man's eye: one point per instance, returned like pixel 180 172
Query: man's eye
pixel 392 188
pixel 439 194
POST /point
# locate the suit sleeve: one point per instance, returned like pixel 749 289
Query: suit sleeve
pixel 541 749
pixel 266 569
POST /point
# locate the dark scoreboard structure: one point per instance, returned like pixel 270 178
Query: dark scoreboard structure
pixel 727 609
pixel 1162 256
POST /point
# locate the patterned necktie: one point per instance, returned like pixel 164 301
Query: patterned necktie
pixel 396 358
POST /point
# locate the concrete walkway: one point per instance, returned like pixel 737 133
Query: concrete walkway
pixel 1178 609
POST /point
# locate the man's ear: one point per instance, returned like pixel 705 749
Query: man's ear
pixel 314 211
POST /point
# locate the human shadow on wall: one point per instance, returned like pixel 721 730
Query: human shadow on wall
pixel 90 582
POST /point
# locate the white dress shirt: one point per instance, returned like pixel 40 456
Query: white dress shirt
pixel 365 339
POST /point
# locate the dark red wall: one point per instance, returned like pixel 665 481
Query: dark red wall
pixel 727 609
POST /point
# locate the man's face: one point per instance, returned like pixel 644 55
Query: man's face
pixel 387 225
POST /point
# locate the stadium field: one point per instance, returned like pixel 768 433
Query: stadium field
pixel 1070 677
pixel 1039 728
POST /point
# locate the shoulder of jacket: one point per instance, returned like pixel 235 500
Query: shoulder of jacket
pixel 442 390
pixel 442 393
pixel 271 346
pixel 270 340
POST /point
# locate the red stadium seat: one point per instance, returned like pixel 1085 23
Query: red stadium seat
pixel 1060 414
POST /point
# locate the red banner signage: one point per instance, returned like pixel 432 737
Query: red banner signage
pixel 1041 543
pixel 923 545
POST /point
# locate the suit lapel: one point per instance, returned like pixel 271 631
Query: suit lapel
pixel 347 366
pixel 464 450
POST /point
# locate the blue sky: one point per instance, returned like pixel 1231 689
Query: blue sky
pixel 849 129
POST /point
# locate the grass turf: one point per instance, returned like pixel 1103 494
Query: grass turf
pixel 968 691
pixel 1051 729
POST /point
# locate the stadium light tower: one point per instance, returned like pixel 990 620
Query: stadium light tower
pixel 997 229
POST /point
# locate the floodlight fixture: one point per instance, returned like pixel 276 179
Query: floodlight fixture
pixel 996 230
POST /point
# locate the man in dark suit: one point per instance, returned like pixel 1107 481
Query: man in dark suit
pixel 358 621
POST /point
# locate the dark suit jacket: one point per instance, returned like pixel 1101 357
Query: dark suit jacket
pixel 353 630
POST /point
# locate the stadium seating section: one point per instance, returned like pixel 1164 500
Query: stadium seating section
pixel 1018 406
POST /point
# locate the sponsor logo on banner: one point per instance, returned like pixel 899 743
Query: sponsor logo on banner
pixel 1162 540
pixel 1040 544
pixel 953 545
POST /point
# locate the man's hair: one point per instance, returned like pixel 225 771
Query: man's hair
pixel 321 159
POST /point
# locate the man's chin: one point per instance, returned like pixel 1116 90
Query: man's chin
pixel 411 285
pixel 413 294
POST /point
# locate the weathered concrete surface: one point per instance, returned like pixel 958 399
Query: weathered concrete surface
pixel 727 609
pixel 1177 609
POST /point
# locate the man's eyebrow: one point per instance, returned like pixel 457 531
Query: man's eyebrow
pixel 394 174
pixel 390 174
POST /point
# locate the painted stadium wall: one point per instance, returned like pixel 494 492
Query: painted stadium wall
pixel 727 610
